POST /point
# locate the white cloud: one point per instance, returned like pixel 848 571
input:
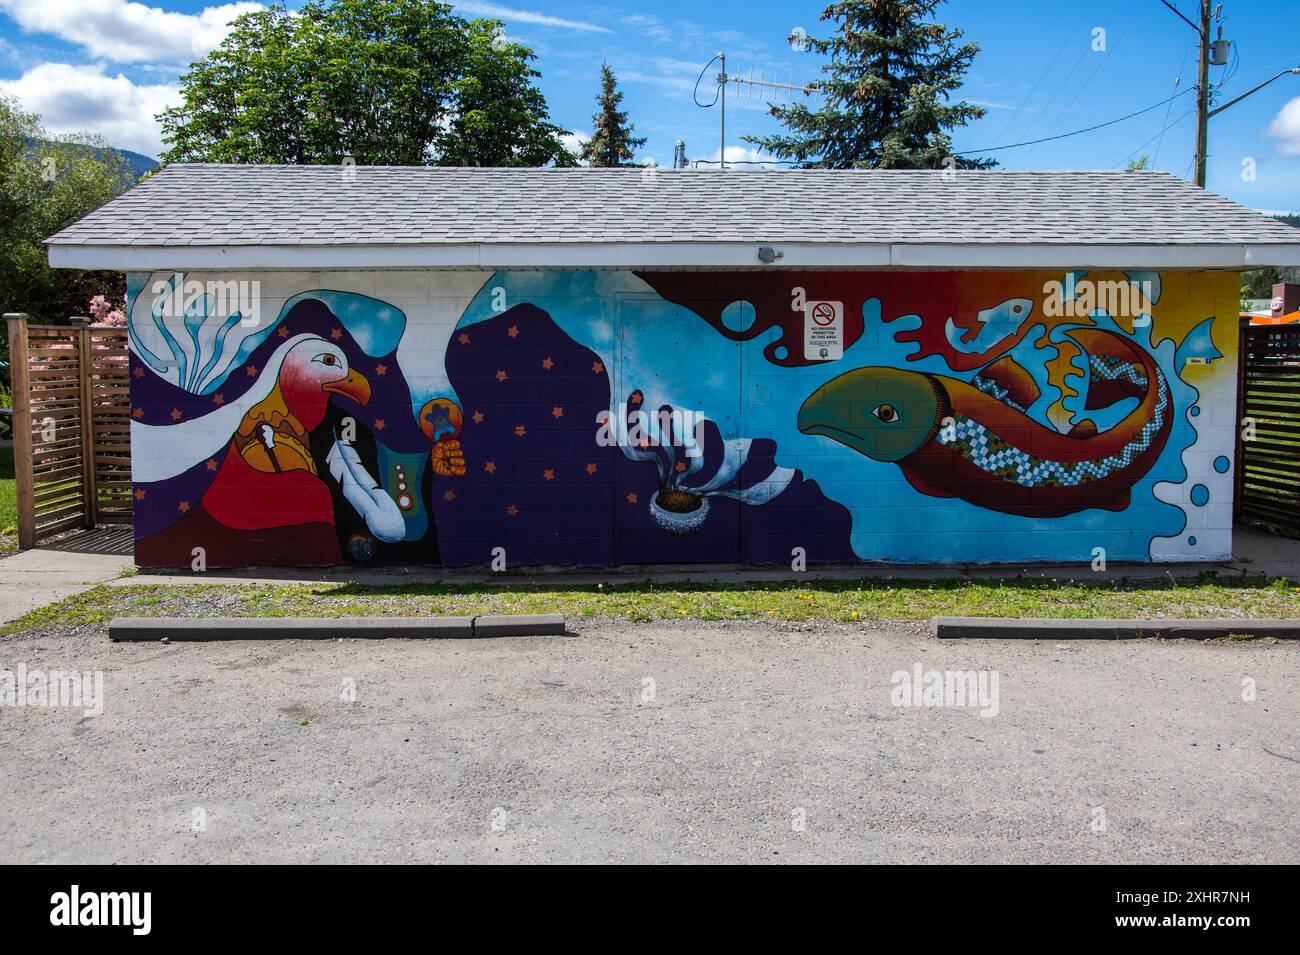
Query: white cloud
pixel 650 26
pixel 124 32
pixel 84 98
pixel 573 142
pixel 750 157
pixel 1286 127
pixel 498 12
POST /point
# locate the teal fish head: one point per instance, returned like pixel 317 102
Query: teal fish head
pixel 884 413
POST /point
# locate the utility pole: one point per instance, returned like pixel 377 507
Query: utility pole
pixel 1203 93
pixel 1208 54
pixel 1212 53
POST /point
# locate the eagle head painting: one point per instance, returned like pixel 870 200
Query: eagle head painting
pixel 298 440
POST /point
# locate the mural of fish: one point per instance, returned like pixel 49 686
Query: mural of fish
pixel 974 440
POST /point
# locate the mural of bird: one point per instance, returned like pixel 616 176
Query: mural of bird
pixel 268 478
pixel 272 435
pixel 259 447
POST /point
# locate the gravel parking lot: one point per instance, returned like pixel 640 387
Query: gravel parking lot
pixel 654 743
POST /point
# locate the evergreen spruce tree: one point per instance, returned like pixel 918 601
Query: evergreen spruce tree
pixel 884 101
pixel 612 142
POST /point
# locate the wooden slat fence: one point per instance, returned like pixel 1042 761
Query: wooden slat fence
pixel 72 457
pixel 1268 464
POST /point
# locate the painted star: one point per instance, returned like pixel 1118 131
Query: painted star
pixel 463 338
pixel 548 475
pixel 183 506
pixel 381 370
pixel 548 364
pixel 681 465
pixel 478 417
pixel 512 510
pixel 252 371
pixel 502 376
pixel 336 334
pixel 557 412
pixel 520 431
pixel 379 424
pixel 139 494
pixel 218 399
pixel 513 331
pixel 137 412
pixel 283 332
pixel 591 468
pixel 597 367
pixel 212 464
pixel 636 398
pixel 139 372
pixel 490 467
pixel 175 414
pixel 449 495
pixel 631 497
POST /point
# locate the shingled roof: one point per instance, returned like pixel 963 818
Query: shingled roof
pixel 329 216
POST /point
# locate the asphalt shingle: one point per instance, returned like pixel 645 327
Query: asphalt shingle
pixel 209 205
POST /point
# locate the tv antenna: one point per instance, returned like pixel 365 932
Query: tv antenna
pixel 752 88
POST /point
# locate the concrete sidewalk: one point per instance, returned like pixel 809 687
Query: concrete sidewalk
pixel 54 572
pixel 1255 552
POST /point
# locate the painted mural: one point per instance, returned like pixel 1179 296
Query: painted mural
pixel 592 418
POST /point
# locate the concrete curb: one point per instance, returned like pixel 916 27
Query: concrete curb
pixel 138 629
pixel 1012 628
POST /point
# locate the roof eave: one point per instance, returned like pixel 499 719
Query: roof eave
pixel 672 255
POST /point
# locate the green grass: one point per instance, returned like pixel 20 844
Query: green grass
pixel 838 601
pixel 8 503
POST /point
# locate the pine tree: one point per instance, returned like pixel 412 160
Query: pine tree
pixel 612 142
pixel 885 97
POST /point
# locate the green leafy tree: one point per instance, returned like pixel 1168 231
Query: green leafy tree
pixel 612 142
pixel 1259 283
pixel 500 117
pixel 385 82
pixel 46 183
pixel 885 97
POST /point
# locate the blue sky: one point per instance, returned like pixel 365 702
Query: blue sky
pixel 109 65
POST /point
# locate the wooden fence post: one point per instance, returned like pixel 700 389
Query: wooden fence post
pixel 22 425
pixel 88 489
pixel 1238 455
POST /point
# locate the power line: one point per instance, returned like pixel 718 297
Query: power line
pixel 1077 132
pixel 1180 14
pixel 1047 69
pixel 1268 66
pixel 1042 112
pixel 1110 48
pixel 1165 129
pixel 1177 83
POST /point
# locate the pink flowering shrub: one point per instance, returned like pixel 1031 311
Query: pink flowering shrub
pixel 105 314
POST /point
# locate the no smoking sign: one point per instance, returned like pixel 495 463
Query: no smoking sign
pixel 823 331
